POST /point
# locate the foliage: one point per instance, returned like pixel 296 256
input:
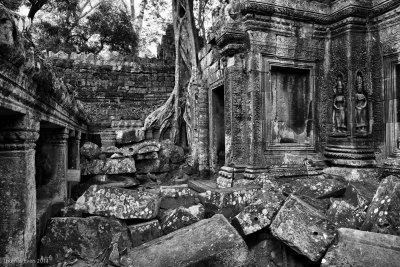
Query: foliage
pixel 12 4
pixel 156 17
pixel 84 26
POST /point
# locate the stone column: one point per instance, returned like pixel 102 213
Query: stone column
pixel 17 188
pixel 56 148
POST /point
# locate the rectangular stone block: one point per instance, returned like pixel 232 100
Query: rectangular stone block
pixel 202 186
pixel 108 166
pixel 71 239
pixel 342 214
pixel 359 248
pixel 303 228
pixel 212 242
pixel 260 213
pixel 118 202
pixel 175 219
pixel 177 196
pixel 144 232
pixel 383 214
pixel 129 136
pixel 228 201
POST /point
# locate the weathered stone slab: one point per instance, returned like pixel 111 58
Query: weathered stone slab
pixel 212 242
pixel 228 201
pixel 151 155
pixel 383 215
pixel 108 166
pixel 271 252
pixel 141 148
pixel 129 136
pixel 119 203
pixel 173 153
pixel 151 166
pixel 70 239
pixel 316 187
pixel 202 186
pixel 90 150
pixel 355 174
pixel 360 194
pixel 342 214
pixel 260 213
pixel 144 232
pixel 358 248
pixel 110 150
pixel 223 182
pixel 303 228
pixel 176 196
pixel 178 218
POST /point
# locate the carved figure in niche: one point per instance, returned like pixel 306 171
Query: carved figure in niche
pixel 361 106
pixel 231 10
pixel 339 108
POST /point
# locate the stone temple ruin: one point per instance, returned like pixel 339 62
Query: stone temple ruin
pixel 297 128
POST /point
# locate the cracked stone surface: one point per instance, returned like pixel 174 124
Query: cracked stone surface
pixel 119 203
pixel 303 228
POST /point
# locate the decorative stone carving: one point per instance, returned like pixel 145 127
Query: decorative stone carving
pixel 361 105
pixel 339 108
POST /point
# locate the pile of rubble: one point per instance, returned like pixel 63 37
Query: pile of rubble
pixel 326 220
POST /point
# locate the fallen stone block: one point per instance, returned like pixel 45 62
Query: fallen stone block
pixel 316 187
pixel 176 196
pixel 108 166
pixel 90 150
pixel 223 182
pixel 152 166
pixel 383 215
pixel 355 174
pixel 260 213
pixel 212 242
pixel 271 252
pixel 151 155
pixel 118 202
pixel 360 194
pixel 359 248
pixel 129 136
pixel 228 201
pixel 178 218
pixel 342 214
pixel 110 150
pixel 144 232
pixel 89 239
pixel 202 186
pixel 303 228
pixel 144 147
pixel 175 154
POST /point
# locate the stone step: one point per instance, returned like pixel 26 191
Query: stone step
pixel 212 242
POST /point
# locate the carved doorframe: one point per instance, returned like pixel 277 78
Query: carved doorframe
pixel 267 65
pixel 391 97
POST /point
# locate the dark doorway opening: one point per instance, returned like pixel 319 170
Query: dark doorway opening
pixel 218 114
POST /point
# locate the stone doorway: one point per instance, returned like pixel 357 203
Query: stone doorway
pixel 218 126
pixel 290 106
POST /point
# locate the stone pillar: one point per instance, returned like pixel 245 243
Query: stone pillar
pixel 17 188
pixel 74 141
pixel 56 148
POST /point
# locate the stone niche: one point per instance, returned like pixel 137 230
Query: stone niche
pixel 288 118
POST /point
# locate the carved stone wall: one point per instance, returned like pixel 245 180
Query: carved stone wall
pixel 116 89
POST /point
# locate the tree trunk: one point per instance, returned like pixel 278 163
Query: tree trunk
pixel 168 119
pixel 139 18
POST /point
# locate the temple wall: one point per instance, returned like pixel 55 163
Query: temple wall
pixel 116 89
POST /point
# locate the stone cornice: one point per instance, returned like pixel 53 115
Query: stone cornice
pixel 337 11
